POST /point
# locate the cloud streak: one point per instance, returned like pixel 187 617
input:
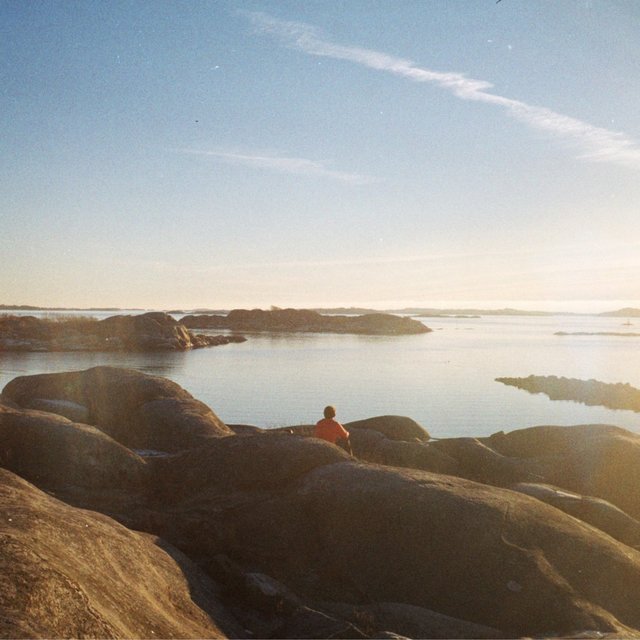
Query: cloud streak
pixel 283 164
pixel 593 143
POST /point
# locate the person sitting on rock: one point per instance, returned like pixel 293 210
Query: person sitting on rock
pixel 331 430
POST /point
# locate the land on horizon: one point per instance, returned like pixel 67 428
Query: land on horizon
pixel 427 312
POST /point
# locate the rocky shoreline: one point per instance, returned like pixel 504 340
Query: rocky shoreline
pixel 304 320
pixel 590 392
pixel 234 531
pixel 154 331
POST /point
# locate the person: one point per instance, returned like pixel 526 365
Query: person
pixel 331 430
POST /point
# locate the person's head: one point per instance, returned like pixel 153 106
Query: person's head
pixel 329 412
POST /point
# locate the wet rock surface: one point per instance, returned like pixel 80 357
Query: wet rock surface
pixel 250 533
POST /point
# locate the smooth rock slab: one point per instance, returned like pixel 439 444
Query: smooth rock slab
pixel 69 573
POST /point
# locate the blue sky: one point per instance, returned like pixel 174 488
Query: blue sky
pixel 318 153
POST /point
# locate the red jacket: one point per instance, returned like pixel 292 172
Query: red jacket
pixel 330 430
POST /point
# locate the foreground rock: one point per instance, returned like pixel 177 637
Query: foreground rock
pixel 52 451
pixel 68 573
pixel 137 410
pixel 396 441
pixel 354 533
pixel 146 332
pixel 306 321
pixel 590 392
pixel 294 537
pixel 602 461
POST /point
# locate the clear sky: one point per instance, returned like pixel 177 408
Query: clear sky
pixel 319 153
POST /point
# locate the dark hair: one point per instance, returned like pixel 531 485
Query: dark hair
pixel 329 412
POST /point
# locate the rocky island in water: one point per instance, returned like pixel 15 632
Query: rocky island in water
pixel 305 320
pixel 590 392
pixel 158 331
pixel 154 331
pixel 130 510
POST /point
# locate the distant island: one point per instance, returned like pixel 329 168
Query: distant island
pixel 427 312
pixel 158 331
pixel 620 334
pixel 306 320
pixel 627 312
pixel 589 392
pixel 152 331
pixel 28 307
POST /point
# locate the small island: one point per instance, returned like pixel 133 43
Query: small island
pixel 154 331
pixel 589 392
pixel 306 320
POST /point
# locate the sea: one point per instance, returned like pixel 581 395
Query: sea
pixel 445 380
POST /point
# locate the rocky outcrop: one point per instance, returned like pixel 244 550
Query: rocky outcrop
pixel 304 320
pixel 396 441
pixel 355 533
pixel 478 461
pixel 392 427
pixel 293 536
pixel 52 451
pixel 69 573
pixel 153 331
pixel 590 392
pixel 602 461
pixel 595 511
pixel 137 410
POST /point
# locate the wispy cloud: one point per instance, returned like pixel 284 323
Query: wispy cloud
pixel 283 164
pixel 594 143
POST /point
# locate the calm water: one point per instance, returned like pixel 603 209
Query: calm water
pixel 444 379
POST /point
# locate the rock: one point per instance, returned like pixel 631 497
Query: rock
pixel 310 530
pixel 590 392
pixel 350 532
pixel 71 410
pixel 69 573
pixel 222 464
pixel 284 614
pixel 52 451
pixel 595 511
pixel 602 461
pixel 310 623
pixel 306 321
pixel 244 429
pixel 138 410
pixel 369 443
pixel 393 427
pixel 454 546
pixel 479 462
pixel 260 590
pixel 152 331
pixel 410 621
pixel 373 446
pixel 306 430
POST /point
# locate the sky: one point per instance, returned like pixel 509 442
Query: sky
pixel 388 154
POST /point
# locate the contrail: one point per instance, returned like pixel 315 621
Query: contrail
pixel 595 143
